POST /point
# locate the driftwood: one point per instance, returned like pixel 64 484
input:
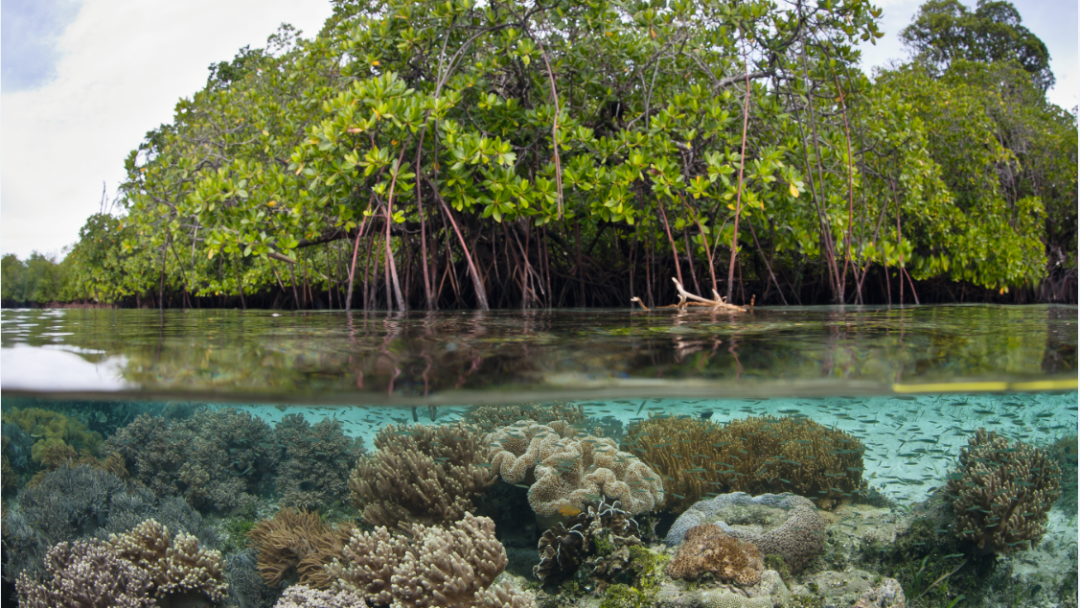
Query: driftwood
pixel 687 299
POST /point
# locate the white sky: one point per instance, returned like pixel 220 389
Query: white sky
pixel 83 88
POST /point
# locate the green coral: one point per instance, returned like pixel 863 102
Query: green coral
pixel 51 429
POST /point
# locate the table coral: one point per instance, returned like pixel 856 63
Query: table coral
pixel 755 455
pixel 423 474
pixel 706 548
pixel 571 470
pixel 432 566
pixel 1002 493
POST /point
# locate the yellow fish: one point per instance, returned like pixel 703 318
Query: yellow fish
pixel 568 511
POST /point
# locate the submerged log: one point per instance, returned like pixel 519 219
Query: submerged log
pixel 687 299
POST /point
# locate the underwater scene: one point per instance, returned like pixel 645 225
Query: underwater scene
pixel 864 457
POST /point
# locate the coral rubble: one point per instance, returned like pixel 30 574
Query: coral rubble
pixel 571 470
pixel 1002 493
pixel 754 455
pixel 706 548
pixel 422 474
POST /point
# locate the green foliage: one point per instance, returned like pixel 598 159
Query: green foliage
pixel 511 149
pixel 38 280
pixel 945 31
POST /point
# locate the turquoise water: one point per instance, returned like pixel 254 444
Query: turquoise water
pixel 911 386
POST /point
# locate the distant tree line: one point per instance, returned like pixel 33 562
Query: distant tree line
pixel 423 154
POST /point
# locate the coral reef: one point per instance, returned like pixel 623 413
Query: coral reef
pixel 302 596
pixel 706 548
pixel 86 574
pixel 796 530
pixel 1002 493
pixel 216 460
pixel 1063 453
pixel 82 502
pixel 770 592
pixel 487 418
pixel 570 470
pixel 296 545
pixel 51 429
pixel 314 466
pixel 598 539
pixel 131 570
pixel 754 455
pixel 422 474
pixel 176 565
pixel 247 589
pixel 432 566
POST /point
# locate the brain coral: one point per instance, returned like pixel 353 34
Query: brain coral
pixel 571 470
pixel 707 548
pixel 755 455
pixel 1002 493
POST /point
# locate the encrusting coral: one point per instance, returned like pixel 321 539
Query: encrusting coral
pixel 707 548
pixel 1002 493
pixel 755 455
pixel 452 567
pixel 297 544
pixel 571 470
pixel 422 474
pixel 798 539
pixel 138 569
pixel 315 461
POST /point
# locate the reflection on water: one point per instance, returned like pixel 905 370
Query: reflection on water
pixel 460 357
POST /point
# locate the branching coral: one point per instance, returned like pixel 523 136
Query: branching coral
pixel 52 429
pixel 754 455
pixel 129 571
pixel 487 418
pixel 216 460
pixel 176 565
pixel 88 575
pixel 315 462
pixel 571 471
pixel 302 596
pixel 297 544
pixel 432 566
pixel 707 548
pixel 79 502
pixel 422 474
pixel 1002 493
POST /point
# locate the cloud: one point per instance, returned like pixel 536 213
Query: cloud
pixel 124 65
pixel 29 32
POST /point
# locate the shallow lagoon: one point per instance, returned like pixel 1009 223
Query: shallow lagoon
pixel 912 385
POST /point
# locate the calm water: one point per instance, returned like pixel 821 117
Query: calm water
pixel 912 385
